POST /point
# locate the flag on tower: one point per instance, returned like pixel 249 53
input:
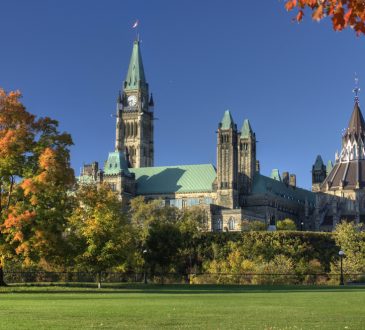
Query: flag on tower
pixel 135 24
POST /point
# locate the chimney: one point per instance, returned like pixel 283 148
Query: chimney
pixel 286 177
pixel 293 180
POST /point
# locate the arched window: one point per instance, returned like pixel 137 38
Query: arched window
pixel 135 129
pixel 231 224
pixel 219 224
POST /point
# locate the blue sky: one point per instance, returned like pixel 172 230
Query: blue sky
pixel 293 81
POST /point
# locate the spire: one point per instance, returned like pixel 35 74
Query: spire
pixel 151 103
pixel 227 121
pixel 246 130
pixel 357 124
pixel 135 76
pixel 318 164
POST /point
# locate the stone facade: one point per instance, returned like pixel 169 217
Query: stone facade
pixel 232 194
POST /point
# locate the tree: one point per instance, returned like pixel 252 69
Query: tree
pixel 99 230
pixel 350 239
pixel 343 13
pixel 143 214
pixel 286 224
pixel 192 223
pixel 162 246
pixel 35 176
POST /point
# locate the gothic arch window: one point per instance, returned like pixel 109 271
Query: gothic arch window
pixel 219 224
pixel 128 129
pixel 135 129
pixel 231 224
pixel 132 129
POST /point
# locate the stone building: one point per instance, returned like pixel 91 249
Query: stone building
pixel 341 188
pixel 232 193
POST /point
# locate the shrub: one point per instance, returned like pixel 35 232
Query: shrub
pixel 286 224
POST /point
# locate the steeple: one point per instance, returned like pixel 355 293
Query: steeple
pixel 353 139
pixel 227 121
pixel 134 129
pixel 135 76
pixel 246 130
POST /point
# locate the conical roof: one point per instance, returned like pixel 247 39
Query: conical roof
pixel 318 165
pixel 135 75
pixel 357 124
pixel 246 130
pixel 227 120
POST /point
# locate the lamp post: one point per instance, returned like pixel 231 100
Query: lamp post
pixel 301 226
pixel 144 266
pixel 341 254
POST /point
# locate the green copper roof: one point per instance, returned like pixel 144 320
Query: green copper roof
pixel 329 167
pixel 318 163
pixel 275 175
pixel 174 179
pixel 246 130
pixel 116 164
pixel 263 184
pixel 227 120
pixel 135 74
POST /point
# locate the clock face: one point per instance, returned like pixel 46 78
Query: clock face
pixel 132 100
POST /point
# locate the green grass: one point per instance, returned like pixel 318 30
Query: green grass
pixel 182 307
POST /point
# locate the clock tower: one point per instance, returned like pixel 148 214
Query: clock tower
pixel 134 130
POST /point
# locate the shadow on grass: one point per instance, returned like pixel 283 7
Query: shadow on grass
pixel 169 288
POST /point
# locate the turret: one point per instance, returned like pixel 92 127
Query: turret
pixel 319 173
pixel 227 171
pixel 246 158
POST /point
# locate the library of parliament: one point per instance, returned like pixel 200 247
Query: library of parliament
pixel 234 191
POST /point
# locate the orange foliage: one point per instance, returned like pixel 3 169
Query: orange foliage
pixel 28 186
pixel 18 220
pixel 47 159
pixel 343 13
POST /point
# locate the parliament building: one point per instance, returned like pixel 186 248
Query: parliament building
pixel 234 191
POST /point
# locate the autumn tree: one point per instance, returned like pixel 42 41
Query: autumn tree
pixel 350 238
pixel 343 13
pixel 98 230
pixel 35 176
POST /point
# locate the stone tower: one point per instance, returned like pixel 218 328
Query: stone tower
pixel 246 158
pixel 319 173
pixel 227 169
pixel 134 129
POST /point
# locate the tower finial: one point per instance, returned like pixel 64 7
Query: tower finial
pixel 356 90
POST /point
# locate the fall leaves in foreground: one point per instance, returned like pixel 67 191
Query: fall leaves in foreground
pixel 35 176
pixel 343 13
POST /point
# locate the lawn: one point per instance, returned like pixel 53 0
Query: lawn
pixel 182 307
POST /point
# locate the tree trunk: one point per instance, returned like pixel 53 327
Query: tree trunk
pixel 99 280
pixel 2 282
pixel 10 191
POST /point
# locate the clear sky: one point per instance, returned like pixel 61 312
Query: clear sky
pixel 292 81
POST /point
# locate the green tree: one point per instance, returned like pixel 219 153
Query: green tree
pixel 286 224
pixel 192 223
pixel 143 215
pixel 98 230
pixel 350 238
pixel 35 176
pixel 162 246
